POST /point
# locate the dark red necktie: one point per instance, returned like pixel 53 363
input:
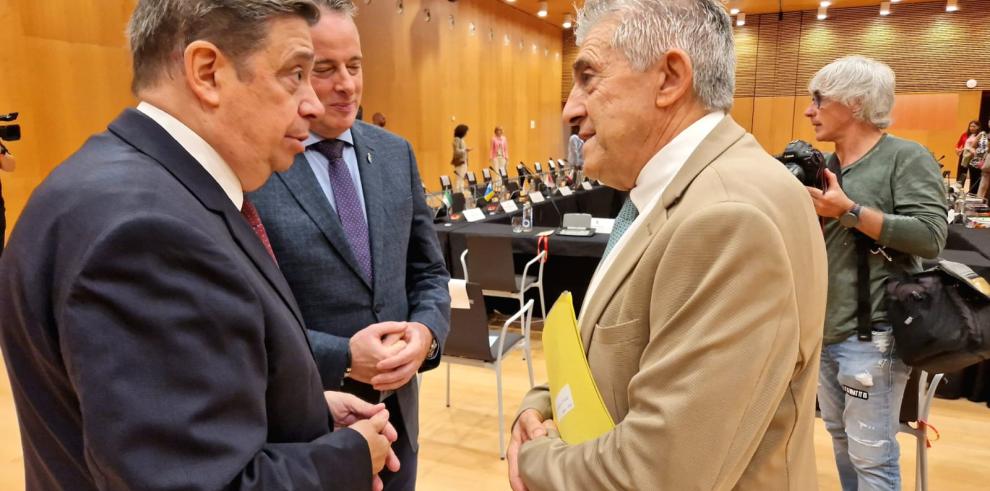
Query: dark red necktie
pixel 254 220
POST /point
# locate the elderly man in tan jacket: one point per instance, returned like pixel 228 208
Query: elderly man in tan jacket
pixel 703 322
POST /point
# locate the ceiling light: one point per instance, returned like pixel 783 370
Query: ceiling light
pixel 895 1
pixel 822 13
pixel 825 3
pixel 952 6
pixel 741 19
pixel 543 9
pixel 733 11
pixel 568 21
pixel 885 7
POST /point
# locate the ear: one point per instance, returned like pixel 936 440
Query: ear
pixel 677 77
pixel 204 65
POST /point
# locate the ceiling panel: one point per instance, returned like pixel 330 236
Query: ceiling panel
pixel 558 8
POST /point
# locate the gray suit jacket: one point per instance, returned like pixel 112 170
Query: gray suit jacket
pixel 410 279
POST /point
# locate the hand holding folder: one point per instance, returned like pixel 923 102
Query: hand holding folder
pixel 578 408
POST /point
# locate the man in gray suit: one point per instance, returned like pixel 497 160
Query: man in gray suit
pixel 354 238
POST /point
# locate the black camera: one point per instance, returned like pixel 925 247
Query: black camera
pixel 807 164
pixel 9 132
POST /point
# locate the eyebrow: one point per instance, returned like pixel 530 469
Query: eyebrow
pixel 302 55
pixel 581 64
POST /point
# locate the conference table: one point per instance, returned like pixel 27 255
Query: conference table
pixel 571 260
pixel 970 246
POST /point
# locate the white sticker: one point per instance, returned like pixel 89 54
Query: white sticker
pixel 509 206
pixel 586 185
pixel 602 225
pixel 564 402
pixel 565 191
pixel 536 197
pixel 474 214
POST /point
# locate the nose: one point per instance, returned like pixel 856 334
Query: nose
pixel 344 81
pixel 310 106
pixel 574 110
pixel 811 110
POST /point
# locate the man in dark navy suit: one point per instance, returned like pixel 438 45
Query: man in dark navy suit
pixel 150 339
pixel 355 239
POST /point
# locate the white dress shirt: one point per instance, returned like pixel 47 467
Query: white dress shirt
pixel 203 152
pixel 653 179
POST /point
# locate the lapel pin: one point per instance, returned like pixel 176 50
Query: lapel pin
pixel 369 157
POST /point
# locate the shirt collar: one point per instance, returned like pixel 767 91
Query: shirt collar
pixel 345 137
pixel 660 170
pixel 200 150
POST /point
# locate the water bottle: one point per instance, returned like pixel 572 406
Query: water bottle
pixel 527 217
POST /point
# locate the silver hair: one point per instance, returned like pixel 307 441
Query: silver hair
pixel 345 7
pixel 159 30
pixel 863 84
pixel 646 29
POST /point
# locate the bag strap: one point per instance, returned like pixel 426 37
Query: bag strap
pixel 864 308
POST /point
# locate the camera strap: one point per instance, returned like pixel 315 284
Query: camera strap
pixel 864 308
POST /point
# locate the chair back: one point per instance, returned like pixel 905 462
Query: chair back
pixel 490 263
pixel 468 337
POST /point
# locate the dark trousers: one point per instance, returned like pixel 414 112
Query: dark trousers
pixel 405 479
pixel 974 179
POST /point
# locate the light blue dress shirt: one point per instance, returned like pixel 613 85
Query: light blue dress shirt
pixel 321 167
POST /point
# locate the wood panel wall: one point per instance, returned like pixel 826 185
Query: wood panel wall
pixel 428 77
pixel 932 52
pixel 66 68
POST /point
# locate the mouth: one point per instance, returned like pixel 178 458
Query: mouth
pixel 342 107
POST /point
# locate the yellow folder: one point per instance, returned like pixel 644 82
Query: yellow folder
pixel 578 408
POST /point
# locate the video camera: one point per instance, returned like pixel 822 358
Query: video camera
pixel 807 164
pixel 9 132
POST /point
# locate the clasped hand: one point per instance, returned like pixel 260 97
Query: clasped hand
pixel 529 426
pixel 388 354
pixel 371 421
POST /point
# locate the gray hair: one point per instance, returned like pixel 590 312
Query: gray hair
pixel 646 29
pixel 345 7
pixel 159 30
pixel 863 84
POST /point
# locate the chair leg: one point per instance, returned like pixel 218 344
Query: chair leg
pixel 522 321
pixel 543 307
pixel 501 418
pixel 529 360
pixel 448 384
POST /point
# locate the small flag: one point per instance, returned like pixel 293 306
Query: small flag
pixel 448 198
pixel 489 192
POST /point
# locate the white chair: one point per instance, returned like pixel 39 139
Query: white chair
pixel 918 414
pixel 471 342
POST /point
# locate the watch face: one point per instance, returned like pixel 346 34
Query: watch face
pixel 848 220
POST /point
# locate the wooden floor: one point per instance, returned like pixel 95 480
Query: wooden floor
pixel 459 445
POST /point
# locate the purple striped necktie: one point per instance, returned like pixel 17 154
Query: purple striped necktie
pixel 347 203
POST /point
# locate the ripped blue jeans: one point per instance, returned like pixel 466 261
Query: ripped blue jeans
pixel 860 388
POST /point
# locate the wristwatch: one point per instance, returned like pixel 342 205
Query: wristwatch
pixel 851 218
pixel 434 347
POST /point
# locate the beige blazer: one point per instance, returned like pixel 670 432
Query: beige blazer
pixel 704 337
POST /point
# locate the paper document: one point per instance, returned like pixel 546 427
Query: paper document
pixel 602 225
pixel 458 294
pixel 578 408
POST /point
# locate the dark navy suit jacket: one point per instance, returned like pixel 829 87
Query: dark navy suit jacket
pixel 410 278
pixel 150 340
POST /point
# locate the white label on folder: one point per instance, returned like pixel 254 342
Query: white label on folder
pixel 509 206
pixel 586 185
pixel 565 191
pixel 564 402
pixel 536 197
pixel 474 215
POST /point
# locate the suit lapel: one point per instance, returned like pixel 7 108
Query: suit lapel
pixel 148 137
pixel 725 134
pixel 304 187
pixel 374 197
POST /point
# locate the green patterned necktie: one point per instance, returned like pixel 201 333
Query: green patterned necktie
pixel 627 215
